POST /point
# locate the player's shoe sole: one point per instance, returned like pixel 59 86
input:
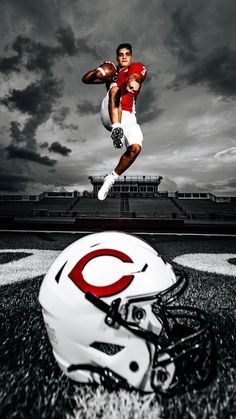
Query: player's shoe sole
pixel 117 136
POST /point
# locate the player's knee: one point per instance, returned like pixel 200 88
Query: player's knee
pixel 134 150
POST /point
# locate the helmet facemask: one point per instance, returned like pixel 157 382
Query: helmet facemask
pixel 178 339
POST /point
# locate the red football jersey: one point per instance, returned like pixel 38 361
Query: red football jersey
pixel 128 99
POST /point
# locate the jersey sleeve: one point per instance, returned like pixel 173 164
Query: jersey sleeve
pixel 134 68
pixel 138 68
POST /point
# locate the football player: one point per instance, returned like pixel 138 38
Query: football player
pixel 118 112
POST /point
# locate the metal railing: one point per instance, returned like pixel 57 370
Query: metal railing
pixel 123 179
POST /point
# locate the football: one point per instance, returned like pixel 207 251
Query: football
pixel 107 69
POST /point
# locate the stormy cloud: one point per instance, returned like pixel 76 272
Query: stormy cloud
pixel 186 107
pixel 39 57
pixel 15 152
pixel 13 182
pixel 147 105
pixel 56 147
pixel 217 71
pixel 77 140
pixel 36 99
pixel 44 145
pixel 88 108
pixel 207 60
pixel 59 117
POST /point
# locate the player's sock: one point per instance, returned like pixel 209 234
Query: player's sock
pixel 116 176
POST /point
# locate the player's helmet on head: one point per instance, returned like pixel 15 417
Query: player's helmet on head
pixel 108 306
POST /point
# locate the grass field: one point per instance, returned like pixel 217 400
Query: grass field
pixel 31 384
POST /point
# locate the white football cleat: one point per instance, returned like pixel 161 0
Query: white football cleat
pixel 109 180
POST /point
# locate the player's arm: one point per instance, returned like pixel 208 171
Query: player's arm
pixel 137 74
pixel 93 77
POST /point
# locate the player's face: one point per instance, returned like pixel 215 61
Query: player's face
pixel 124 57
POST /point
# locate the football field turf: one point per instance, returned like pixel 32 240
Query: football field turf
pixel 31 384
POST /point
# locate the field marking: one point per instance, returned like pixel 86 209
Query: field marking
pixel 217 263
pixel 35 263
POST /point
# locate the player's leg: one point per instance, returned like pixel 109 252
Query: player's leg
pixel 117 134
pixel 128 158
pixel 133 142
pixel 104 114
pixel 125 161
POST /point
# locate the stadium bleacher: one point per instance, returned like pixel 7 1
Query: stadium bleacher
pixel 201 208
pixel 86 206
pixel 55 205
pixel 154 207
pixel 199 205
pixel 17 208
pixel 135 197
pixel 31 208
pixel 123 206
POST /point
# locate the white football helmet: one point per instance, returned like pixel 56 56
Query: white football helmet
pixel 108 309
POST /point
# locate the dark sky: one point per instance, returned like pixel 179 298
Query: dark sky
pixel 50 131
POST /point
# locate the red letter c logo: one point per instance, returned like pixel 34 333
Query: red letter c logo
pixel 105 291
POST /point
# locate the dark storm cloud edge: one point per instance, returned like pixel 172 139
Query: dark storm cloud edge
pixel 10 182
pixel 26 154
pixel 59 117
pixel 38 98
pixel 214 68
pixel 37 57
pixel 86 108
pixel 56 147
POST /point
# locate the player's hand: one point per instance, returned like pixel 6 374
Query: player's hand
pixel 132 84
pixel 106 62
pixel 109 68
pixel 99 75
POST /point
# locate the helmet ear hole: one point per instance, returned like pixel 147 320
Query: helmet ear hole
pixel 134 367
pixel 138 314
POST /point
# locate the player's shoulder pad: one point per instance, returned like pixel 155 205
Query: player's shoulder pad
pixel 139 69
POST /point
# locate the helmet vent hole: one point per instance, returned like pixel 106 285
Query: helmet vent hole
pixel 133 366
pixel 107 348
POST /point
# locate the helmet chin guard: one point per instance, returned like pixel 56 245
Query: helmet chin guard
pixel 110 309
